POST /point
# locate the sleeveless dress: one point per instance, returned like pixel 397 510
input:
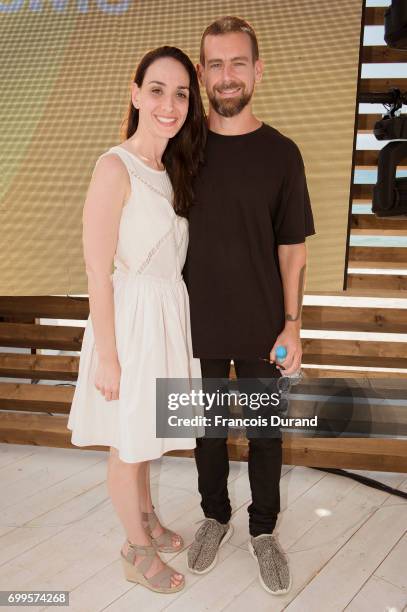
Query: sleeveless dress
pixel 152 323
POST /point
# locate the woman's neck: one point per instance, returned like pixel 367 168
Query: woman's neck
pixel 148 148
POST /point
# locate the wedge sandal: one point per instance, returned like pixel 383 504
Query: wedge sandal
pixel 159 582
pixel 163 542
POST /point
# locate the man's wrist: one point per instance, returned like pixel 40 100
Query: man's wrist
pixel 293 325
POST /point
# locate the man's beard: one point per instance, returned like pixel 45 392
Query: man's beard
pixel 229 107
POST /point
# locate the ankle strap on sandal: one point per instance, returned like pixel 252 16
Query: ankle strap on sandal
pixel 150 518
pixel 145 551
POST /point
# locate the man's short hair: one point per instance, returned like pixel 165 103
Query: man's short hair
pixel 226 25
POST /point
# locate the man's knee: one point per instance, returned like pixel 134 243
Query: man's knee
pixel 266 443
pixel 211 443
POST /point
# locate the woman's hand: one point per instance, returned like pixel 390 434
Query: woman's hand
pixel 107 379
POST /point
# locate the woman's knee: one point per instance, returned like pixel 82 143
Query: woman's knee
pixel 125 466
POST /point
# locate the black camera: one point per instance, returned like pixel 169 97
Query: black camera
pixel 395 24
pixel 391 128
pixel 390 193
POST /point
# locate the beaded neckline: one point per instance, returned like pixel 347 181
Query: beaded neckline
pixel 140 161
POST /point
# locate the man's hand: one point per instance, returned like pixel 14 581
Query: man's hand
pixel 290 338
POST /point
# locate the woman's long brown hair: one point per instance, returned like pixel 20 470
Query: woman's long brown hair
pixel 185 151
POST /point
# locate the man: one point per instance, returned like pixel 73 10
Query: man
pixel 245 272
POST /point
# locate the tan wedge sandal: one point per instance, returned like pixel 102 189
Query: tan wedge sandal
pixel 160 582
pixel 163 542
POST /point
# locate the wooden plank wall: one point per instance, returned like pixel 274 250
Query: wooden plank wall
pixel 379 258
pixel 36 388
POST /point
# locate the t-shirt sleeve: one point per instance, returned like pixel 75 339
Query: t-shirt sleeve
pixel 293 219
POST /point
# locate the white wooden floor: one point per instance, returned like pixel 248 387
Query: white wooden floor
pixel 347 543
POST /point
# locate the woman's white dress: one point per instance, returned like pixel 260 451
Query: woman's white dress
pixel 152 323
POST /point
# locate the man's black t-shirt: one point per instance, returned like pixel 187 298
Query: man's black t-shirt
pixel 250 196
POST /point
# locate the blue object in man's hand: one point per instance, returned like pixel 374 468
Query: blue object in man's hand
pixel 281 353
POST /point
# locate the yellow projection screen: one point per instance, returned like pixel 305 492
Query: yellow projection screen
pixel 65 78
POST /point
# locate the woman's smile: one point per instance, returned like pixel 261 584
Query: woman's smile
pixel 168 121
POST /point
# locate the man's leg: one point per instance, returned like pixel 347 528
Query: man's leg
pixel 265 460
pixel 265 457
pixel 212 462
pixel 212 459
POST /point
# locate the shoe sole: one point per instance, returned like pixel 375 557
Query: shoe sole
pixel 263 584
pixel 225 539
pixel 172 550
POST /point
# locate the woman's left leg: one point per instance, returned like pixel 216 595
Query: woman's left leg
pixel 146 505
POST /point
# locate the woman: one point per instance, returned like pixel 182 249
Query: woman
pixel 138 329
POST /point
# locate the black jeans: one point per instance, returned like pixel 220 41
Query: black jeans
pixel 265 459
